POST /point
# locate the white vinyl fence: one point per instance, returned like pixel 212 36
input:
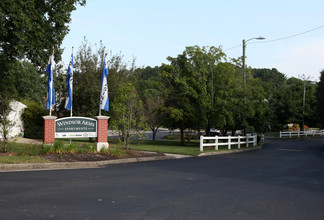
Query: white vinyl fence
pixel 300 133
pixel 229 141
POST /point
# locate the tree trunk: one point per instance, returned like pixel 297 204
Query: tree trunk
pixel 182 136
pixel 207 130
pixel 154 130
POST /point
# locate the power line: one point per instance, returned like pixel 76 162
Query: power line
pixel 282 38
pixel 233 47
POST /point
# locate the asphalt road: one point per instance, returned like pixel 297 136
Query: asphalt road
pixel 284 180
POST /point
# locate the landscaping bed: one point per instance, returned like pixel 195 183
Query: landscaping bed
pixel 62 151
pixel 97 156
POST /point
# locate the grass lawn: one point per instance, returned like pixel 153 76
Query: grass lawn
pixel 174 147
pixel 167 146
pixel 22 159
pixel 31 153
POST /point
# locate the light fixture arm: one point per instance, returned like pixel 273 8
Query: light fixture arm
pixel 243 58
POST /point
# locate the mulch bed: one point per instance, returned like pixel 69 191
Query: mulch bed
pixel 97 157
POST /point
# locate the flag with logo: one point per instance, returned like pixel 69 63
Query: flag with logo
pixel 50 83
pixel 69 83
pixel 104 100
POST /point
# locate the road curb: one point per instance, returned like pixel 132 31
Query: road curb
pixel 77 165
pixel 99 164
pixel 229 151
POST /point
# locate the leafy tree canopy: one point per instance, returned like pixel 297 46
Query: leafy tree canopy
pixel 320 100
pixel 31 28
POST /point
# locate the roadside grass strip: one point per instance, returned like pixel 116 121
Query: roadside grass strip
pixel 22 159
pixel 294 150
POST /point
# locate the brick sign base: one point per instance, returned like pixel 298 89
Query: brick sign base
pixel 102 131
pixel 102 138
pixel 49 129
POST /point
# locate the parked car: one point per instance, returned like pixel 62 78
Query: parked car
pixel 215 131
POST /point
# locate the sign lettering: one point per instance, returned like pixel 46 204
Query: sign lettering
pixel 75 127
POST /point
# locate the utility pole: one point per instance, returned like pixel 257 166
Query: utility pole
pixel 304 99
pixel 244 74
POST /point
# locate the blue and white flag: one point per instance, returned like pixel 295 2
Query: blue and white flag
pixel 104 100
pixel 69 83
pixel 50 84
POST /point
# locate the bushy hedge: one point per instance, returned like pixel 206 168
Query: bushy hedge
pixel 33 121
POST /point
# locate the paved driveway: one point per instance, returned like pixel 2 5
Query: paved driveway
pixel 148 135
pixel 284 180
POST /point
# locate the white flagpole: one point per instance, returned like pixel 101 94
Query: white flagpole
pixel 101 82
pixel 52 81
pixel 72 85
pixel 71 90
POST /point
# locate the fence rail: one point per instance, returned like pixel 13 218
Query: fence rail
pixel 300 133
pixel 231 140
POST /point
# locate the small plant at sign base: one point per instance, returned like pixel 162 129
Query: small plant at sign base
pixel 104 150
pixel 47 149
pixel 71 148
pixel 58 147
pixel 87 148
pixel 116 151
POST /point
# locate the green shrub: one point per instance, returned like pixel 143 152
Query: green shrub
pixel 58 147
pixel 87 148
pixel 114 151
pixel 47 149
pixel 31 150
pixel 70 148
pixel 33 121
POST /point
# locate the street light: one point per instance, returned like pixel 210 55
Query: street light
pixel 243 59
pixel 244 75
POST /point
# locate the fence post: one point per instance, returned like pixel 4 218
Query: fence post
pixel 229 142
pixel 255 140
pixel 280 134
pixel 247 140
pixel 216 142
pixel 239 142
pixel 262 138
pixel 201 143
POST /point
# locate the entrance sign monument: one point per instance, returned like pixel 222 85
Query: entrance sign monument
pixel 77 127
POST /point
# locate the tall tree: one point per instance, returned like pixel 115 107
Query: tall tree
pixel 147 82
pixel 288 104
pixel 31 28
pixel 86 77
pixel 204 90
pixel 273 79
pixel 88 66
pixel 320 100
pixel 274 83
pixel 127 113
pixel 178 112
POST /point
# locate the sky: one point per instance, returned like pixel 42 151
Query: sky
pixel 151 31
